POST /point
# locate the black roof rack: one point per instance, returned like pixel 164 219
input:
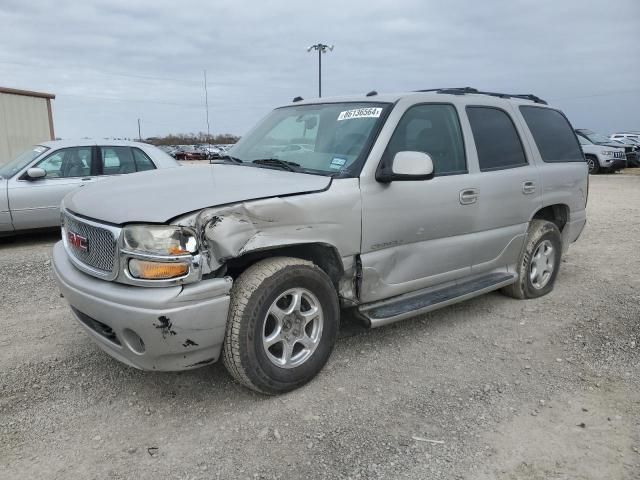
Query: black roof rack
pixel 465 90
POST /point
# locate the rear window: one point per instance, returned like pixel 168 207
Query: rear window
pixel 143 162
pixel 554 137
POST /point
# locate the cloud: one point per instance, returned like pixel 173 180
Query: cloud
pixel 111 62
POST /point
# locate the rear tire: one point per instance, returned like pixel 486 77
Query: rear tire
pixel 593 164
pixel 539 261
pixel 283 323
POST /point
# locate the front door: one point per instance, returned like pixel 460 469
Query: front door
pixel 36 203
pixel 416 234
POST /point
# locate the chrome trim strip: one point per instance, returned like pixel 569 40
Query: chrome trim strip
pixel 194 274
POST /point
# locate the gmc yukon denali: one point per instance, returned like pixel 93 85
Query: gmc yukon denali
pixel 389 205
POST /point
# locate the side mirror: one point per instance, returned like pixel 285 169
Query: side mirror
pixel 406 166
pixel 36 173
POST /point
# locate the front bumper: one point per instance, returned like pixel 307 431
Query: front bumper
pixel 617 164
pixel 164 329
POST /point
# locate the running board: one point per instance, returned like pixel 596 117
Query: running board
pixel 416 303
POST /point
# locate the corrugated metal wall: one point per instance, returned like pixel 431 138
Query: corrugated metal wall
pixel 24 121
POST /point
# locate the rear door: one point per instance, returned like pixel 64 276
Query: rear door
pixel 36 203
pixel 509 187
pixel 122 160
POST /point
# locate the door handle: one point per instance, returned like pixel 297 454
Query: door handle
pixel 468 196
pixel 528 187
pixel 84 179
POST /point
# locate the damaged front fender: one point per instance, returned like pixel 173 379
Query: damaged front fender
pixel 330 217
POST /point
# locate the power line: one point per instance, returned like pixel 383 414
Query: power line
pixel 104 72
pixel 607 94
pixel 128 100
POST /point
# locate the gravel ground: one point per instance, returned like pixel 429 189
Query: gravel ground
pixel 490 388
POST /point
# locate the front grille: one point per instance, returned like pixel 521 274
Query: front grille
pixel 100 250
pixel 618 154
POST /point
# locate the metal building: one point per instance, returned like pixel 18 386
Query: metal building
pixel 25 119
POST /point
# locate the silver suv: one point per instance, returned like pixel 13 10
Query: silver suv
pixel 390 205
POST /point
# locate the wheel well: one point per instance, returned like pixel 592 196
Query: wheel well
pixel 558 214
pixel 325 256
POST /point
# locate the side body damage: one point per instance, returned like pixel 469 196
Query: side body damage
pixel 327 224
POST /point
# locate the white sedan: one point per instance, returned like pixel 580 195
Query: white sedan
pixel 34 183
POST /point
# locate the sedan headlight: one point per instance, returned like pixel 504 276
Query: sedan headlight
pixel 160 239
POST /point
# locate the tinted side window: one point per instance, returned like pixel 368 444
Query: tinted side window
pixel 117 160
pixel 68 163
pixel 432 129
pixel 554 136
pixel 143 162
pixel 496 138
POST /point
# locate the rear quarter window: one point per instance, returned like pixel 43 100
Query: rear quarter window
pixel 554 137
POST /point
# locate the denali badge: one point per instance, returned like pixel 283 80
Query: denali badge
pixel 78 241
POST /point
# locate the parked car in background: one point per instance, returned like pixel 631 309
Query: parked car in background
pixel 599 139
pixel 212 151
pixel 34 183
pixel 602 158
pixel 632 135
pixel 190 152
pixel 633 158
pixel 388 212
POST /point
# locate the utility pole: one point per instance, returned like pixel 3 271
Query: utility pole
pixel 206 103
pixel 321 48
pixel 139 134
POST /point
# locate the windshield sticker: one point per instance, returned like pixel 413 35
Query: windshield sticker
pixel 337 163
pixel 360 113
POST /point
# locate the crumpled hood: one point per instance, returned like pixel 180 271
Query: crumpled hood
pixel 158 196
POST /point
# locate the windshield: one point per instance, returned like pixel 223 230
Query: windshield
pixel 595 137
pixel 21 161
pixel 325 139
pixel 584 141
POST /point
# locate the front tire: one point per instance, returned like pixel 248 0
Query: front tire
pixel 539 261
pixel 593 164
pixel 283 323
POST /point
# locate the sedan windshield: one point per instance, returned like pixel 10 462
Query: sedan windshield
pixel 21 161
pixel 325 139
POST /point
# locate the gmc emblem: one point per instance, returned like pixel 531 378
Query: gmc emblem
pixel 78 241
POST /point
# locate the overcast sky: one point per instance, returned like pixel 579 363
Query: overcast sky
pixel 111 62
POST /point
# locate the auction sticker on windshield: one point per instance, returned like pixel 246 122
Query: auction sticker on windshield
pixel 360 113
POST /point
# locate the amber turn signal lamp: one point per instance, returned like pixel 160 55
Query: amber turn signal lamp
pixel 156 270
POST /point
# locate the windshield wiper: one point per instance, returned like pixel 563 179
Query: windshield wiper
pixel 228 158
pixel 276 162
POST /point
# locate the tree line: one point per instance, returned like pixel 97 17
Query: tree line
pixel 192 139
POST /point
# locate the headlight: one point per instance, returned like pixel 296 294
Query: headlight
pixel 160 239
pixel 160 252
pixel 608 153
